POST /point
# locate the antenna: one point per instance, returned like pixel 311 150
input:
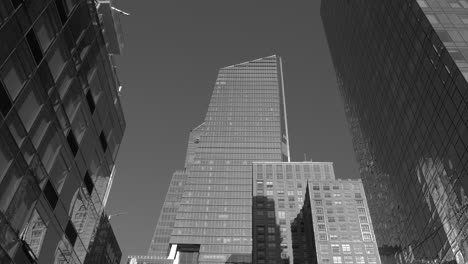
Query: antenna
pixel 120 11
pixel 117 214
pixel 305 157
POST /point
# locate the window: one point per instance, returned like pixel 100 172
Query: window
pixel 89 184
pixel 331 219
pixel 319 210
pixel 320 218
pixel 322 227
pixel 422 3
pixel 300 199
pixel 346 248
pixel 328 203
pixel 56 60
pixel 50 194
pixel 16 129
pixel 46 27
pixel 366 237
pixel 271 214
pixel 5 103
pixel 9 184
pixel 361 210
pixel 35 232
pixel 79 21
pixel 336 260
pixel 360 202
pixel 269 184
pixel 333 237
pixel 338 202
pixel 290 192
pixel 72 143
pixel 14 75
pixel 365 228
pixel 360 260
pixel 363 219
pixel 316 187
pixel 341 219
pixel 271 230
pixel 369 249
pixel 432 19
pixel 335 248
pixel 318 202
pixel 281 214
pixel 326 187
pixel 322 236
pixel 28 107
pixel 348 260
pixel 71 233
pixel 269 192
pixel 323 248
pixel 291 198
pixel 103 140
pixel 91 103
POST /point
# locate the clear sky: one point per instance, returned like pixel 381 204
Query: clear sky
pixel 172 52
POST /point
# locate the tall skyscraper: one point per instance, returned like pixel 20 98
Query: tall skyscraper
pixel 245 122
pixel 61 125
pixel 402 67
pixel 327 223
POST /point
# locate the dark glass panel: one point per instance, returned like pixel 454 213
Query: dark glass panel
pixel 88 183
pixel 50 194
pixel 103 140
pixel 72 143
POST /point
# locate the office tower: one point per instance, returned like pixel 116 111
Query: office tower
pixel 61 125
pixel 104 248
pixel 287 215
pixel 245 122
pixel 402 67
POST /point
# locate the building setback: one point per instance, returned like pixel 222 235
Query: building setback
pixel 245 122
pixel 402 67
pixel 327 223
pixel 61 125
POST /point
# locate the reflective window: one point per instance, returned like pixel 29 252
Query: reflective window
pixel 13 76
pixel 5 10
pixel 16 128
pixel 8 186
pixel 29 107
pixel 57 58
pixel 46 27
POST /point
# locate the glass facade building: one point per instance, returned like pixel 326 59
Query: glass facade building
pixel 61 125
pixel 402 71
pixel 302 214
pixel 245 122
pixel 104 249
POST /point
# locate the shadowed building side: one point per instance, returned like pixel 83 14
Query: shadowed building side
pixel 401 67
pixel 61 125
